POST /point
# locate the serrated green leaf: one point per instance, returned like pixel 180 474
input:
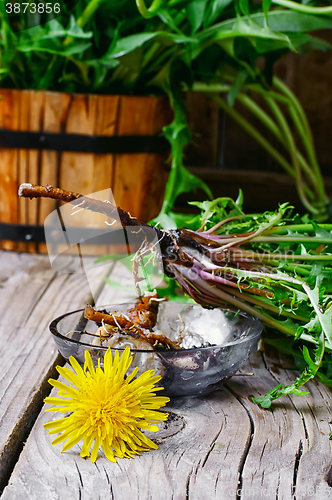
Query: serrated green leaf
pixel 325 317
pixel 308 360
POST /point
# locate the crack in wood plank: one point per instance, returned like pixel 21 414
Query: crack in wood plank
pixel 161 473
pixel 248 443
pixel 188 484
pixel 79 474
pixel 296 467
pixel 202 459
pixel 32 294
pixel 313 456
pixel 277 490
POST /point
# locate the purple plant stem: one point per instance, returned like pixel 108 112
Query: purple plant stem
pixel 211 277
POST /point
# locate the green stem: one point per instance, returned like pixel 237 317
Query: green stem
pixel 308 144
pixel 83 70
pixel 253 132
pixel 265 305
pixel 276 239
pixel 87 13
pixel 263 117
pixel 230 299
pixel 148 12
pixel 284 135
pixel 292 149
pixel 303 8
pixel 212 204
pixel 237 241
pixel 256 110
pixel 260 113
pixel 261 90
pixel 263 276
pixel 299 228
pixel 282 87
pixel 295 239
pixel 258 137
pixel 281 256
pixel 309 149
pixel 213 87
pixel 303 269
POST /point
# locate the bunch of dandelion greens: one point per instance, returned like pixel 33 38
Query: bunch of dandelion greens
pixel 275 266
pixel 108 408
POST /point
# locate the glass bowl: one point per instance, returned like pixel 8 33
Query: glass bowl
pixel 188 372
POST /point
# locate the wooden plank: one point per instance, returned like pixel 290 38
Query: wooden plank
pixel 31 295
pixel 193 458
pixel 106 118
pixel 35 103
pixel 200 452
pixel 287 439
pixel 139 180
pixel 9 119
pixel 76 171
pixel 23 168
pixel 87 173
pixel 54 112
pixel 314 462
pixel 103 164
pixel 111 295
pixel 222 446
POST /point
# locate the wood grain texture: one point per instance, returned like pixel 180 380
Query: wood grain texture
pixel 77 168
pixel 9 119
pixel 85 115
pixel 35 103
pixel 31 295
pixel 53 117
pixel 290 452
pixel 199 457
pixel 23 169
pixel 140 179
pixel 222 446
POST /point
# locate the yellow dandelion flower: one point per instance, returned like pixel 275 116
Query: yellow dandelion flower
pixel 106 407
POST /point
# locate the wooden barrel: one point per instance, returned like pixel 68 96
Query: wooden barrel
pixel 137 178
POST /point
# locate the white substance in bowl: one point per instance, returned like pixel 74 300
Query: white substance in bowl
pixel 198 327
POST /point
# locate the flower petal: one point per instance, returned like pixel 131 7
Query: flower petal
pixel 107 407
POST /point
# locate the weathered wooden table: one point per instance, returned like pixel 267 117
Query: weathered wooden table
pixel 222 446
